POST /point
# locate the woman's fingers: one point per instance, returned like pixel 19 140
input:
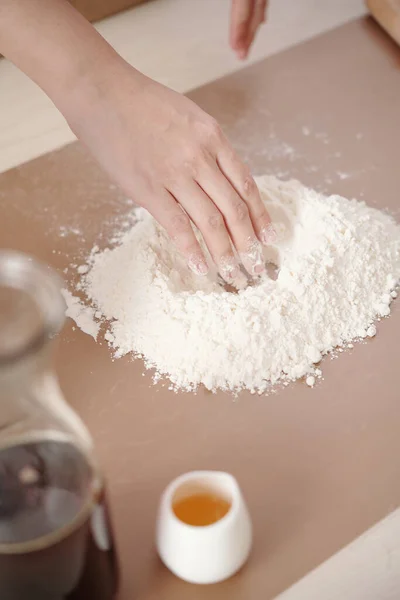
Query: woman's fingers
pixel 177 224
pixel 246 17
pixel 209 220
pixel 240 178
pixel 219 195
pixel 258 17
pixel 265 7
pixel 236 216
pixel 241 16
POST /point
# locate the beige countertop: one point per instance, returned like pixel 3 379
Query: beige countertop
pixel 335 471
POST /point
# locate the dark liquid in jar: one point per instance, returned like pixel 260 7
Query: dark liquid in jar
pixel 55 536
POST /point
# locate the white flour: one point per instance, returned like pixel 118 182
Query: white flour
pixel 81 314
pixel 339 262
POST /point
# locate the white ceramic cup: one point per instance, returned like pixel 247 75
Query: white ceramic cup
pixel 210 553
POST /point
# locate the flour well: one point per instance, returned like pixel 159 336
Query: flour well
pixel 338 263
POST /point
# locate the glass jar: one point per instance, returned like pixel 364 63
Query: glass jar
pixel 55 536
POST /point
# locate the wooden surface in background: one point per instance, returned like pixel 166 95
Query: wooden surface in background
pixel 387 13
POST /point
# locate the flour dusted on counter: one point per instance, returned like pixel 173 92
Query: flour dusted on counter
pixel 81 314
pixel 338 260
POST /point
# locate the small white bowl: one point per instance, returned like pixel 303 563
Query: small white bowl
pixel 210 553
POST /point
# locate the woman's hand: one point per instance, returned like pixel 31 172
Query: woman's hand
pixel 246 17
pixel 162 149
pixel 173 159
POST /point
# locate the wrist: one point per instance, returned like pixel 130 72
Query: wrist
pixel 96 84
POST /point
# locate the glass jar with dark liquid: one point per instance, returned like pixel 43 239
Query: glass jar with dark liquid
pixel 55 537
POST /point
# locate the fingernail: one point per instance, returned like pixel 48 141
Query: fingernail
pixel 241 54
pixel 240 281
pixel 197 264
pixel 268 235
pixel 253 259
pixel 228 268
pixel 235 273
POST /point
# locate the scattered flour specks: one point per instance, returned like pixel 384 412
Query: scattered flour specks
pixel 310 380
pixel 339 262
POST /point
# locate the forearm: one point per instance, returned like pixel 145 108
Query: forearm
pixel 55 46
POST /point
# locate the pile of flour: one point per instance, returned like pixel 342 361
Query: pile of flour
pixel 339 264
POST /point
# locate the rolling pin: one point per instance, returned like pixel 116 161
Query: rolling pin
pixel 387 14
